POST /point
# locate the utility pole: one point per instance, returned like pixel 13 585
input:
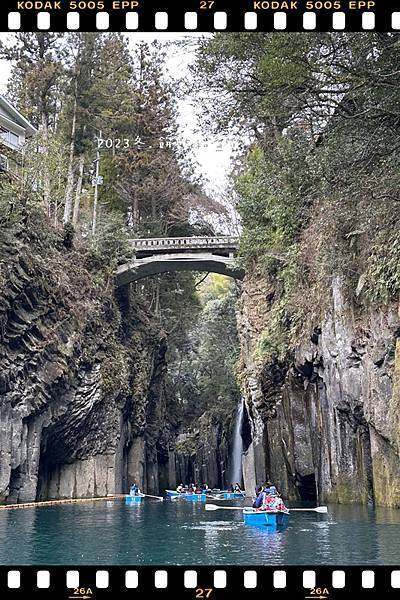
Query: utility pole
pixel 96 182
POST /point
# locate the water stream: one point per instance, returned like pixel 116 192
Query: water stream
pixel 237 446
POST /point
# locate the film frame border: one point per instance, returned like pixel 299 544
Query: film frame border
pixel 284 581
pixel 204 582
pixel 203 16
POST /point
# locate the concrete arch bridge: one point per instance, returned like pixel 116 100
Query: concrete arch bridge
pixel 152 256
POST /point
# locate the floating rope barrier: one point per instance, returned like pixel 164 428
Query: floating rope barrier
pixel 56 502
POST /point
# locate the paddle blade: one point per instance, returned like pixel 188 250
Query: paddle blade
pixel 322 509
pixel 212 507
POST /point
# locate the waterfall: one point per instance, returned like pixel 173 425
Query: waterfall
pixel 237 446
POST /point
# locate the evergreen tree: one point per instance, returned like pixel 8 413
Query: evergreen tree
pixel 36 79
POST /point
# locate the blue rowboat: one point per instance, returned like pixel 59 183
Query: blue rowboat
pixel 173 495
pixel 233 495
pixel 195 497
pixel 133 499
pixel 261 518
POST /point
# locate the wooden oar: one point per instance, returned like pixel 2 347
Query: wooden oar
pixel 215 507
pixel 247 509
pixel 150 496
pixel 319 509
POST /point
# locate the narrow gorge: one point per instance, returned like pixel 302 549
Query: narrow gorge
pixel 86 407
pixel 117 367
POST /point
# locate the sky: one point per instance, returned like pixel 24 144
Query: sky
pixel 214 157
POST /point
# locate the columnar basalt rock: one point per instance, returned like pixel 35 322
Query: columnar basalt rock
pixel 82 411
pixel 324 423
pixel 203 454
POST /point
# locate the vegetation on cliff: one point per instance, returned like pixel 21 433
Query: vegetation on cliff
pixel 100 104
pixel 318 186
pixel 202 375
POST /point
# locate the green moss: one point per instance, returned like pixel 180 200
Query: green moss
pixel 386 470
pixel 395 401
pixel 114 372
pixel 189 445
pixel 274 339
pixel 383 272
pixel 346 491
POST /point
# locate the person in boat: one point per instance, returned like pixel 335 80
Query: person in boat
pixel 271 489
pixel 206 489
pixel 259 498
pixel 198 490
pixel 269 499
pixel 179 489
pixel 134 491
pixel 258 490
pixel 237 488
pixel 190 489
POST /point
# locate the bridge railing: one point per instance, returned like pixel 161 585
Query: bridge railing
pixel 185 242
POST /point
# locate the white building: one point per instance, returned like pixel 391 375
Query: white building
pixel 14 130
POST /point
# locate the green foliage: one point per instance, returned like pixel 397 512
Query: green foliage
pixel 203 371
pixel 114 372
pixel 318 186
pixel 274 339
pixel 269 205
pixel 84 86
pixel 37 74
pixel 10 205
pixel 68 237
pixel 179 307
pixel 383 270
pixel 110 248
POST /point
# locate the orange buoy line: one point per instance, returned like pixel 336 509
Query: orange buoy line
pixel 55 502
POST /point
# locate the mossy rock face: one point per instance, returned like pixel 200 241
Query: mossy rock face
pixel 189 445
pixel 330 408
pixel 386 472
pixel 81 372
pixel 394 415
pixel 386 461
pixel 345 492
pixel 204 454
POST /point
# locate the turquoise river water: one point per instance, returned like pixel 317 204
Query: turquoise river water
pixel 183 533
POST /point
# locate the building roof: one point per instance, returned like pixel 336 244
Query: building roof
pixel 17 117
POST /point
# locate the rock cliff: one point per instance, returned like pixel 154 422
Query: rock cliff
pixel 203 454
pixel 83 410
pixel 323 423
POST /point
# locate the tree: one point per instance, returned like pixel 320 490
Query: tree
pixel 35 87
pixel 318 184
pixel 81 101
pixel 37 76
pixel 202 366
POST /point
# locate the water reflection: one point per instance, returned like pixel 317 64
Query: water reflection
pixel 184 533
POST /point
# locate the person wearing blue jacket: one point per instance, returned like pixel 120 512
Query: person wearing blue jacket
pixel 267 490
pixel 271 490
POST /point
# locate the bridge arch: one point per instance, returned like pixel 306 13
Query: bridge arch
pixel 161 255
